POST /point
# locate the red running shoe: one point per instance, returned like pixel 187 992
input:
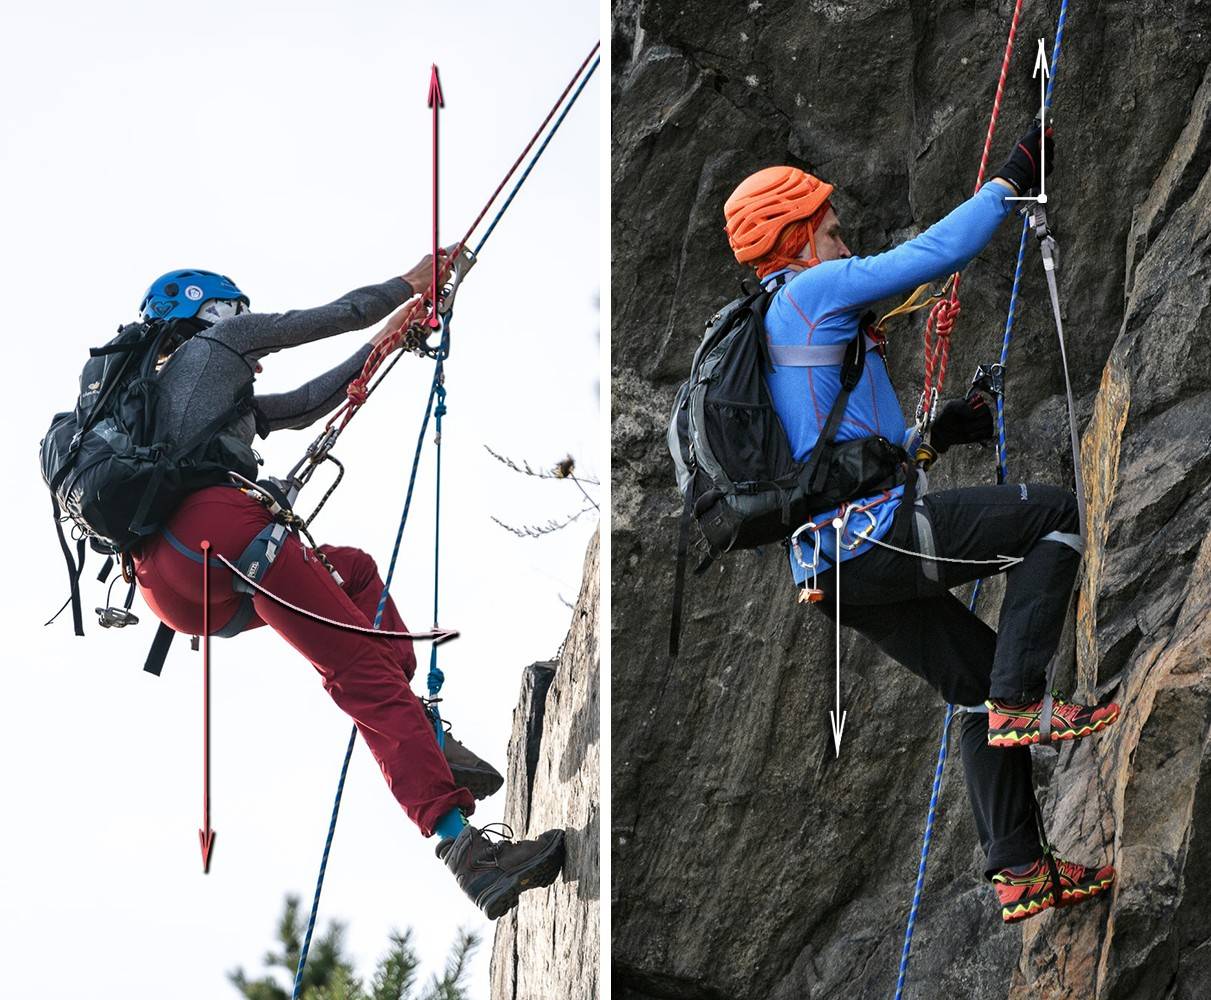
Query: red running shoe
pixel 1021 725
pixel 1030 893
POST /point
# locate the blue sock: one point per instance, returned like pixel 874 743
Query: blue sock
pixel 450 825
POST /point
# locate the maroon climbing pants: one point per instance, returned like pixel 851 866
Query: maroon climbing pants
pixel 366 676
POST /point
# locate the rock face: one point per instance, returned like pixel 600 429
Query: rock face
pixel 550 945
pixel 749 861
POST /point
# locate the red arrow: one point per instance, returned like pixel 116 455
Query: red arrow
pixel 206 834
pixel 436 101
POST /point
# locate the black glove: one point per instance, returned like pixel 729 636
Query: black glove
pixel 1022 167
pixel 961 421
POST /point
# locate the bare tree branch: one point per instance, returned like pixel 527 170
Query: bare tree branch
pixel 585 492
pixel 527 470
pixel 538 530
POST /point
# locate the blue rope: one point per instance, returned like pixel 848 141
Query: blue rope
pixel 319 884
pixel 1002 452
pixel 1002 477
pixel 437 392
pixel 436 678
pixel 916 896
pixel 403 520
pixel 534 159
pixel 438 376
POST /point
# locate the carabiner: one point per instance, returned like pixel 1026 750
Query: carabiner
pixel 812 594
pixel 860 537
pixel 798 552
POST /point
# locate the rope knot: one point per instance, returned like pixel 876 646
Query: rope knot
pixel 357 392
pixel 947 313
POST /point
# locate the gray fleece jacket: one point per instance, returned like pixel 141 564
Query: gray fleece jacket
pixel 211 370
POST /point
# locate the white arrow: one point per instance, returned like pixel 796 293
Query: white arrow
pixel 1042 71
pixel 837 718
pixel 1002 563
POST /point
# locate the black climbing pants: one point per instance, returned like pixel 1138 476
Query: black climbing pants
pixel 903 605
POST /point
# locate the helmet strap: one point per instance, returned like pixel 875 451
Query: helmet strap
pixel 814 259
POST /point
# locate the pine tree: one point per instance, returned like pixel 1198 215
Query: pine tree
pixel 330 975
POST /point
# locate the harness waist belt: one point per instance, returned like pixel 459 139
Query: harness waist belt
pixel 254 562
pixel 811 355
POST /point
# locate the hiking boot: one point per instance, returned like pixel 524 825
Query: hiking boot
pixel 493 873
pixel 1021 725
pixel 473 773
pixel 1027 893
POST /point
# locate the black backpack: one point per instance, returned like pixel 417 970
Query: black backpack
pixel 740 483
pixel 111 468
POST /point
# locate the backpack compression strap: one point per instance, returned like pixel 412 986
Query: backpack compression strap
pixel 74 568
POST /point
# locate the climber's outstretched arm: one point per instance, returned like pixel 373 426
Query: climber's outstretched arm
pixel 254 335
pixel 303 406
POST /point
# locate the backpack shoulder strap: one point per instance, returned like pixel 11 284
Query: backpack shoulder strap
pixel 137 522
pixel 851 373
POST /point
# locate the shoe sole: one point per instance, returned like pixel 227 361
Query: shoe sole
pixel 480 783
pixel 1079 894
pixel 542 871
pixel 1032 737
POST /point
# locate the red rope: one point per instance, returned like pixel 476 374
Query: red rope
pixel 942 316
pixel 538 132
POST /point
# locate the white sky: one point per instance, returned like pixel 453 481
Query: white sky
pixel 286 145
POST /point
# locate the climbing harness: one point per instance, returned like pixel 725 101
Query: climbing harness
pixel 416 336
pixel 992 379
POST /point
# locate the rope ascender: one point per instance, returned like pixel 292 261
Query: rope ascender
pixel 413 335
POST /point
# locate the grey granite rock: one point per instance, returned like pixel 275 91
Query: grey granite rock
pixel 549 947
pixel 749 862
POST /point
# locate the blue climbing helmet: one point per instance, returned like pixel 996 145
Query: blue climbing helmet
pixel 181 294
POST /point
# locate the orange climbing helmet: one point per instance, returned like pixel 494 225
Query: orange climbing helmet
pixel 765 203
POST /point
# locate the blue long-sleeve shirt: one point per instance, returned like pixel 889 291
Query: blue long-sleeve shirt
pixel 822 305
